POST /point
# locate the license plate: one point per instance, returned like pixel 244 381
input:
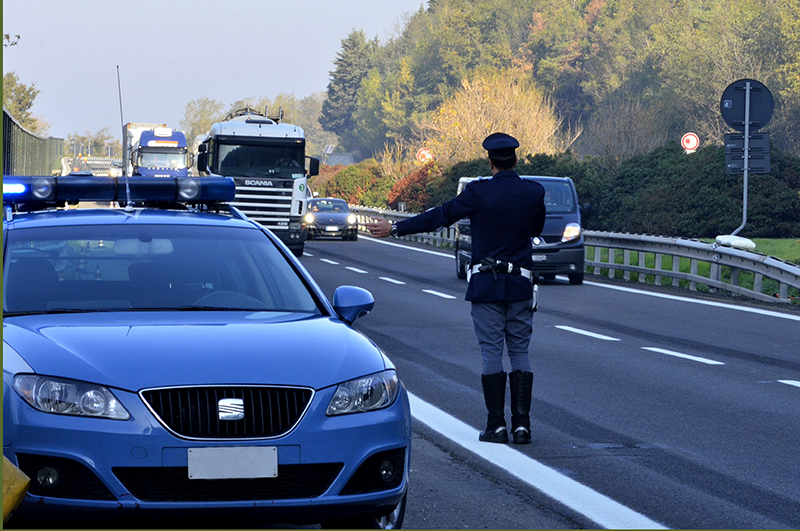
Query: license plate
pixel 332 229
pixel 539 257
pixel 233 463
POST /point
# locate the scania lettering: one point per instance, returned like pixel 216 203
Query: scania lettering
pixel 266 159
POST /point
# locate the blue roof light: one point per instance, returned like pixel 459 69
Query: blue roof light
pixel 19 190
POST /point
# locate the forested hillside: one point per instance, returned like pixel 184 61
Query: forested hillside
pixel 629 74
pixel 600 90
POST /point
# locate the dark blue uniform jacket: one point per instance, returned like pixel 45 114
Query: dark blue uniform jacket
pixel 505 212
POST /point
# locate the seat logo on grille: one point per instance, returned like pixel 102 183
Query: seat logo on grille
pixel 230 409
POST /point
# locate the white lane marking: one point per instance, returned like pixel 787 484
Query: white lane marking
pixel 328 261
pixel 790 382
pixel 393 281
pixel 355 269
pixel 684 356
pixel 768 313
pixel 585 333
pixel 595 506
pixel 377 240
pixel 306 253
pixel 442 295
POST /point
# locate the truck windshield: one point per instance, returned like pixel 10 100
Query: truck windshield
pixel 258 160
pixel 162 160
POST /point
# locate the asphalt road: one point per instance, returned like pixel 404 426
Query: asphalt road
pixel 651 408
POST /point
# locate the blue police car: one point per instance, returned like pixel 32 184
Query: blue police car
pixel 170 354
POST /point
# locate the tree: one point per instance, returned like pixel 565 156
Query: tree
pixel 97 144
pixel 198 115
pixel 18 99
pixel 504 101
pixel 352 63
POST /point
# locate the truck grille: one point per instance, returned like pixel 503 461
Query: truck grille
pixel 193 412
pixel 270 206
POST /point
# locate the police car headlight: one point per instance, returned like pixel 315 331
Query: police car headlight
pixel 369 393
pixel 309 218
pixel 571 232
pixel 69 397
pixel 351 219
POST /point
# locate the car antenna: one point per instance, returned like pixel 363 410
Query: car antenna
pixel 128 205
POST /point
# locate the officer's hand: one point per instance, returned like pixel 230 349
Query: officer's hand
pixel 379 228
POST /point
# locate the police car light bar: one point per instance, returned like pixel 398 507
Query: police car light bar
pixel 24 190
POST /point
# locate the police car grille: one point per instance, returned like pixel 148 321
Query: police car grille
pixel 172 484
pixel 193 412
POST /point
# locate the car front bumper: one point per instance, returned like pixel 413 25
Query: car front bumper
pixel 327 466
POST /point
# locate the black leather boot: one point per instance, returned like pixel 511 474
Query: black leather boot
pixel 494 393
pixel 521 390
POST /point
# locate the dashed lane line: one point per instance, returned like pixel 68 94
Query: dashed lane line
pixel 684 356
pixel 356 270
pixel 795 383
pixel 438 294
pixel 585 333
pixel 328 261
pixel 393 281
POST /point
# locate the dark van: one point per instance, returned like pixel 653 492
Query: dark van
pixel 559 250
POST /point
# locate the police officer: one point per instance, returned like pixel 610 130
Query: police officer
pixel 505 212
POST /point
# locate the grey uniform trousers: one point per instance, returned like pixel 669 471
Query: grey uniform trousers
pixel 499 324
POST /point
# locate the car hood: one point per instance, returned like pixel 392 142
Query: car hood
pixel 330 217
pixel 133 351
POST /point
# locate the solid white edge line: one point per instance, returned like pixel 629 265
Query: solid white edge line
pixel 795 383
pixel 580 498
pixel 681 355
pixel 442 295
pixel 585 333
pixel 768 313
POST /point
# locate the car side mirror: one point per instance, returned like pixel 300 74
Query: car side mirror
pixel 586 213
pixel 351 302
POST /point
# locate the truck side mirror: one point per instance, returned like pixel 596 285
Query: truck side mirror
pixel 313 166
pixel 202 162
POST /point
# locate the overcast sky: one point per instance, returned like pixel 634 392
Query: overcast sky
pixel 170 52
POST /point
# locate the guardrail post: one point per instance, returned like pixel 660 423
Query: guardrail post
pixel 642 265
pixel 612 259
pixel 626 261
pixel 676 268
pixel 658 260
pixel 693 272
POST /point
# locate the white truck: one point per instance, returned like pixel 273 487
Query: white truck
pixel 154 150
pixel 266 159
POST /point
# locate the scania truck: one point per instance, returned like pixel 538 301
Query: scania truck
pixel 266 159
pixel 154 150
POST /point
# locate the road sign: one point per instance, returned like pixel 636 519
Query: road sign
pixel 734 104
pixel 758 154
pixel 690 142
pixel 424 155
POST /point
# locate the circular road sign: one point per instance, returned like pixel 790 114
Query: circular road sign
pixel 733 102
pixel 690 142
pixel 424 155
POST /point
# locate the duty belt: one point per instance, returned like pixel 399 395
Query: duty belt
pixel 490 265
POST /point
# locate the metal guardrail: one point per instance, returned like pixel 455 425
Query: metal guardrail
pixel 654 259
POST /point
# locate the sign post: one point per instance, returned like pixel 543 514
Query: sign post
pixel 746 106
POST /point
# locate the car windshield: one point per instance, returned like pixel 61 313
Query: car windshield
pixel 558 197
pixel 148 267
pixel 326 205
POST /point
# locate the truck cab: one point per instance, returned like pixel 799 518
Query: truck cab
pixel 559 250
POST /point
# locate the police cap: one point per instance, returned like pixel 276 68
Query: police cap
pixel 500 145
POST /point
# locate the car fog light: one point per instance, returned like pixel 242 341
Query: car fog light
pixel 572 267
pixel 47 477
pixel 386 470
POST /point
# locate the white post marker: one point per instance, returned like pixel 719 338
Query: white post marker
pixel 690 142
